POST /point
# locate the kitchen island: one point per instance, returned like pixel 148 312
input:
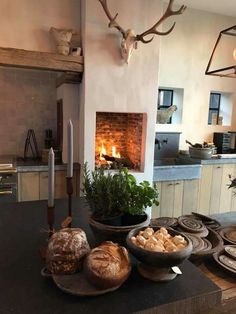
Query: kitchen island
pixel 24 290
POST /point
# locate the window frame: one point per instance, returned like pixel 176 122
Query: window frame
pixel 214 109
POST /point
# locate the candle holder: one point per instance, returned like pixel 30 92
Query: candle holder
pixel 69 186
pixel 50 213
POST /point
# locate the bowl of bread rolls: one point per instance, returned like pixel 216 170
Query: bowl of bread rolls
pixel 158 249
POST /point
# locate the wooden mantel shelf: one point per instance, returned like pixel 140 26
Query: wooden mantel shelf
pixel 41 60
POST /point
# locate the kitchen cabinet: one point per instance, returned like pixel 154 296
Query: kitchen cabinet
pixel 28 186
pixel 214 196
pixel 34 185
pixel 176 198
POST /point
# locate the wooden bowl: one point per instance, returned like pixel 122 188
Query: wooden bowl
pixel 159 259
pixel 216 242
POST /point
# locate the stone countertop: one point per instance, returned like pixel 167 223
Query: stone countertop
pixel 24 290
pixel 38 166
pixel 211 161
pixel 185 168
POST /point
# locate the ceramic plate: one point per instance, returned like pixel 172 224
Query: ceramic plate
pixel 230 250
pixel 228 234
pixel 77 284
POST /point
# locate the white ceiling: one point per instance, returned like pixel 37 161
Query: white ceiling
pixel 224 7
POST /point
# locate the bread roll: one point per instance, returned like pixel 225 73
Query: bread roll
pixel 107 265
pixel 66 249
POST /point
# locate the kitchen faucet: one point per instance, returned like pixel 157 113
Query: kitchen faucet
pixel 159 143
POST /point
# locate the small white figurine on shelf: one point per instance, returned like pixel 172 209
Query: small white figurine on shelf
pixel 164 115
pixel 66 41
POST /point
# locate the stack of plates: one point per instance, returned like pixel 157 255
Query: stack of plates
pixel 227 258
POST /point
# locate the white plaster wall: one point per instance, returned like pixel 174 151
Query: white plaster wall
pixel 184 56
pixel 69 93
pixel 25 23
pixel 111 85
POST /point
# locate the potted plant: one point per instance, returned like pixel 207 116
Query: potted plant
pixel 117 202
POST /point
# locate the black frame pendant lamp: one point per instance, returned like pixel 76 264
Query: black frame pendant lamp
pixel 229 71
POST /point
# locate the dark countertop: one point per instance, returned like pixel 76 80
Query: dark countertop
pixel 24 291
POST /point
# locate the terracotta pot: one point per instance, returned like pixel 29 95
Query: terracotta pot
pixel 117 229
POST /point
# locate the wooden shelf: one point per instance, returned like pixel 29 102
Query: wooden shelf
pixel 41 60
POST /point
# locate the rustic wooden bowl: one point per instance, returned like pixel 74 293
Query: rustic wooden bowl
pixel 117 234
pixel 159 259
pixel 217 245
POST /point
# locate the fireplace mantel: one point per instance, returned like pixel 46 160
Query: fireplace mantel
pixel 26 59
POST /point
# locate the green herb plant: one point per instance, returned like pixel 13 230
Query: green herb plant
pixel 112 194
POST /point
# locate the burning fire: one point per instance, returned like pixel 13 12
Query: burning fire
pixel 103 151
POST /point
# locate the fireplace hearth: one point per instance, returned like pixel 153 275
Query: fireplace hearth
pixel 120 140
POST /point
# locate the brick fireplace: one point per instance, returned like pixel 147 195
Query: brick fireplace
pixel 120 140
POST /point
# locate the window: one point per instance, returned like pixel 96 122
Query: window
pixel 214 108
pixel 165 100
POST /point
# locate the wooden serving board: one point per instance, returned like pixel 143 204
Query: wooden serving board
pixel 77 284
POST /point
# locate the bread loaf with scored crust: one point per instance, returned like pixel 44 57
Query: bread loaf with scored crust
pixel 65 251
pixel 107 265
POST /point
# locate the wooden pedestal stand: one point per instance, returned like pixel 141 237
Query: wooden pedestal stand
pixel 50 221
pixel 69 186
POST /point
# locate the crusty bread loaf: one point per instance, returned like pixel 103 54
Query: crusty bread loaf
pixel 66 249
pixel 107 265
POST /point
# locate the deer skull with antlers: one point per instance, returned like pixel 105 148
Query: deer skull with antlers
pixel 129 39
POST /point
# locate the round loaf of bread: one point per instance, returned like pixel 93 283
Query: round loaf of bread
pixel 107 265
pixel 66 249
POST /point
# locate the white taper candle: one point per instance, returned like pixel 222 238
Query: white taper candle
pixel 70 150
pixel 51 161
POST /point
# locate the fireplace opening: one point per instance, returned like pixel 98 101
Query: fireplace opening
pixel 120 140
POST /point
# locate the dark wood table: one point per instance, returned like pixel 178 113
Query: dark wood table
pixel 224 279
pixel 24 291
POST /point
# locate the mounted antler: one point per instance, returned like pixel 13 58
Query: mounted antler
pixel 113 22
pixel 129 40
pixel 153 30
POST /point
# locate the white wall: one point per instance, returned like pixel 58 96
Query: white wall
pixel 25 23
pixel 184 56
pixel 69 93
pixel 111 85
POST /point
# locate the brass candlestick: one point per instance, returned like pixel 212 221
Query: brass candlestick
pixel 51 220
pixel 69 185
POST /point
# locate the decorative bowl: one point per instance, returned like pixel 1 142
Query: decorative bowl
pixel 157 265
pixel 200 153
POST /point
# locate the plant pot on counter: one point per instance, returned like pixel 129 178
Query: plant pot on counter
pixel 116 229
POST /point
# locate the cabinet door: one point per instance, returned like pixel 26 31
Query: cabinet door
pixel 156 210
pixel 171 198
pixel 233 191
pixel 226 195
pixel 190 196
pixel 60 184
pixel 216 189
pixel 43 185
pixel 29 186
pixel 205 190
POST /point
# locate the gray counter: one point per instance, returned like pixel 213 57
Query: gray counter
pixel 176 172
pixel 38 166
pixel 185 168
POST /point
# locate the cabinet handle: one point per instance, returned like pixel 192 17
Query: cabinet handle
pixel 9 192
pixel 170 184
pixel 219 167
pixel 177 183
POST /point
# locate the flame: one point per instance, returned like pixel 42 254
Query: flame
pixel 114 153
pixel 103 151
